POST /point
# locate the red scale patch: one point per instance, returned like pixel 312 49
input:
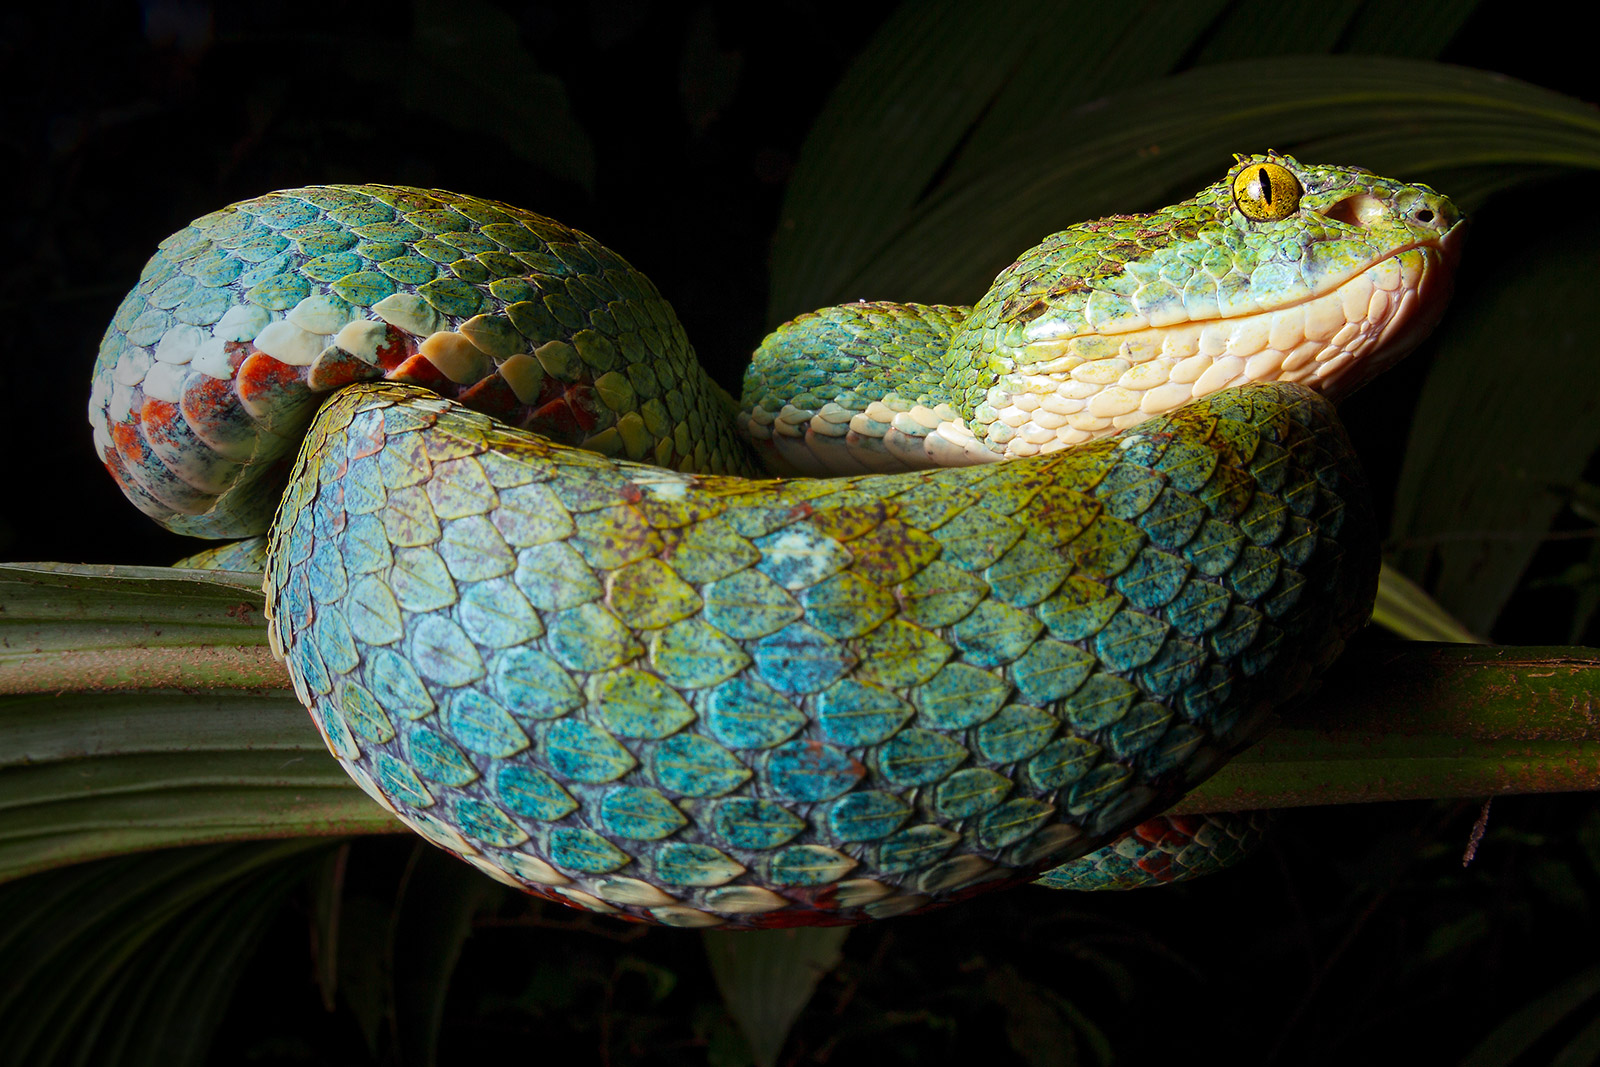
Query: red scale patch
pixel 132 489
pixel 211 407
pixel 557 421
pixel 145 467
pixel 398 346
pixel 171 438
pixel 492 396
pixel 419 370
pixel 337 368
pixel 274 393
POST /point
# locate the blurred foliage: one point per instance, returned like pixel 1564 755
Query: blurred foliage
pixel 915 148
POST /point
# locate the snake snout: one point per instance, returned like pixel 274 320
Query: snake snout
pixel 1418 207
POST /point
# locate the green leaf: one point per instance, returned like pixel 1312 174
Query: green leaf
pixel 1042 1027
pixel 1583 1050
pixel 1475 501
pixel 1414 721
pixel 187 746
pixel 1405 608
pixel 1144 146
pixel 768 976
pixel 466 67
pixel 327 911
pixel 437 904
pixel 1416 28
pixel 133 960
pixel 1524 1028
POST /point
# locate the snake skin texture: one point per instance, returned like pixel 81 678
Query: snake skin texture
pixel 704 699
pixel 574 645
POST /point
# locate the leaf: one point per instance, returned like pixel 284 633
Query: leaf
pixel 327 911
pixel 436 907
pixel 366 963
pixel 1583 1049
pixel 1524 1028
pixel 1405 608
pixel 133 960
pixel 1416 28
pixel 186 747
pixel 1473 507
pixel 768 976
pixel 466 67
pixel 1042 1027
pixel 1415 721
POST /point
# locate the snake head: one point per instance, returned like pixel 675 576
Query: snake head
pixel 1281 271
pixel 1363 227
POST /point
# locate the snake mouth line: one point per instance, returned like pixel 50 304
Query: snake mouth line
pixel 1082 387
pixel 1074 389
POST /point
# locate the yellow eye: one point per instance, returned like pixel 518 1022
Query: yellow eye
pixel 1266 192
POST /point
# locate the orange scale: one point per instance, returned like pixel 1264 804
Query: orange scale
pixel 212 409
pixel 174 442
pixel 336 368
pixel 398 346
pixel 145 467
pixel 557 421
pixel 274 393
pixel 135 492
pixel 493 396
pixel 419 370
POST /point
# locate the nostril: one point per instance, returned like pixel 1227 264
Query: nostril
pixel 1423 215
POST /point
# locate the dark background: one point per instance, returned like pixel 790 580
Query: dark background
pixel 677 128
pixel 124 121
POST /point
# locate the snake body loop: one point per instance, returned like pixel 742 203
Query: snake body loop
pixel 597 662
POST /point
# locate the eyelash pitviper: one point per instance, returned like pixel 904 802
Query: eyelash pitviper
pixel 601 664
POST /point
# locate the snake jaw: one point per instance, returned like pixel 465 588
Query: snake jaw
pixel 1418 311
pixel 1205 299
pixel 1111 322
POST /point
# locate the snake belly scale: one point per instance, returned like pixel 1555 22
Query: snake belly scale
pixel 537 609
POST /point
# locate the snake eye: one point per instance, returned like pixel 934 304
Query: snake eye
pixel 1266 192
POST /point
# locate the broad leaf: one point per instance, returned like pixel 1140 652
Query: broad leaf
pixel 1519 1032
pixel 140 708
pixel 768 976
pixel 1508 418
pixel 132 960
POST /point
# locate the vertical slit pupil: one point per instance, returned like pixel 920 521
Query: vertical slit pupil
pixel 1266 185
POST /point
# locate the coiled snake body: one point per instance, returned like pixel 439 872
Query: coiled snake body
pixel 599 663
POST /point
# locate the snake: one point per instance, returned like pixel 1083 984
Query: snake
pixel 1021 574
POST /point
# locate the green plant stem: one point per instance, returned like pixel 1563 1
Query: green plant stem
pixel 1415 720
pixel 140 708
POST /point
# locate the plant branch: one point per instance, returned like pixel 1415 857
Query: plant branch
pixel 140 708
